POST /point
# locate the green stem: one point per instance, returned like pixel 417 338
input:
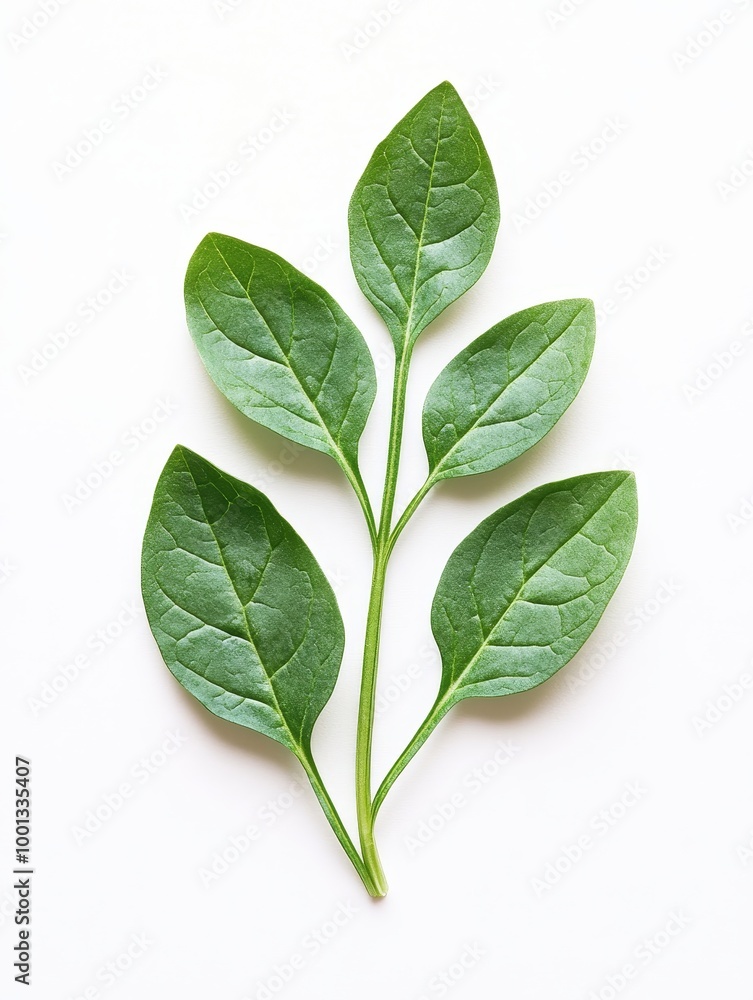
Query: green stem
pixel 408 513
pixel 366 725
pixel 436 714
pixel 382 549
pixel 356 481
pixel 337 825
pixel 438 711
pixel 393 452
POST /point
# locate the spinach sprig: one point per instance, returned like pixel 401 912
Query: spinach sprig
pixel 242 613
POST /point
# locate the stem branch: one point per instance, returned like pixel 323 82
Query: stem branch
pixel 356 481
pixel 337 825
pixel 427 727
pixel 408 513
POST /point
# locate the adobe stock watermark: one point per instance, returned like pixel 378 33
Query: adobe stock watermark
pixel 744 852
pixel 338 577
pixel 323 249
pixel 7 570
pixel 625 458
pixel 481 91
pixel 287 456
pixel 115 969
pixel 372 27
pixel 632 282
pixel 563 11
pixel 580 161
pixel 84 314
pixel 34 23
pixel 118 111
pixel 444 812
pixel 599 826
pixel 717 708
pixel 714 369
pixel 742 515
pixel 402 680
pixel 603 651
pixel 644 953
pixel 706 36
pixel 224 7
pixel 129 441
pixel 142 772
pixel 738 177
pixel 95 644
pixel 242 841
pixel 311 945
pixel 246 152
pixel 440 984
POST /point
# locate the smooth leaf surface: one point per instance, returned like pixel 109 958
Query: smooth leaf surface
pixel 424 215
pixel 522 593
pixel 279 346
pixel 243 615
pixel 505 391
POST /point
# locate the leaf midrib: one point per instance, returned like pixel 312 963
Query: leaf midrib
pixel 446 697
pixel 296 746
pixel 285 363
pixel 442 462
pixel 420 247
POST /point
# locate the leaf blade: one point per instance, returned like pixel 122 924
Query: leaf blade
pixel 279 347
pixel 508 388
pixel 415 248
pixel 243 615
pixel 543 594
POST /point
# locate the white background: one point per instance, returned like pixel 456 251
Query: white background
pixel 653 712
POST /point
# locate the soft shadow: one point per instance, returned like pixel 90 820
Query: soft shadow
pixel 511 481
pixel 267 447
pixel 239 737
pixel 261 747
pixel 490 716
pixel 507 709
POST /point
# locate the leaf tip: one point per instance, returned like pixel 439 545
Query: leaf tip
pixel 630 484
pixel 180 455
pixel 587 305
pixel 207 242
pixel 582 307
pixel 447 87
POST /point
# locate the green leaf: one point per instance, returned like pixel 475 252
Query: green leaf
pixel 424 215
pixel 243 615
pixel 506 390
pixel 279 347
pixel 522 593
